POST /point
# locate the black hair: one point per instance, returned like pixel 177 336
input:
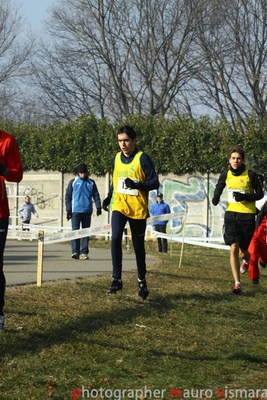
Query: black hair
pixel 129 130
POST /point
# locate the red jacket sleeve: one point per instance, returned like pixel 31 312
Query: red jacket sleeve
pixel 10 157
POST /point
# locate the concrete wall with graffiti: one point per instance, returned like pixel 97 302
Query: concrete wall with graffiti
pixel 45 192
pixel 193 193
pixel 187 192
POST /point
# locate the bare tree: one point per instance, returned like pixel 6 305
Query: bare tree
pixel 15 51
pixel 161 53
pixel 231 43
pixel 119 57
pixel 116 57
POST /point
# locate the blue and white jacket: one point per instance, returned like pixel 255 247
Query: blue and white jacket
pixel 79 195
pixel 159 209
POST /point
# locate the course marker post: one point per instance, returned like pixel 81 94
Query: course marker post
pixel 183 238
pixel 182 247
pixel 40 257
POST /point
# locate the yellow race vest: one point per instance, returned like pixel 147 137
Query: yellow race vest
pixel 242 184
pixel 131 202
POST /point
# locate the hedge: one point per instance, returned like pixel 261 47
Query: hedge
pixel 176 145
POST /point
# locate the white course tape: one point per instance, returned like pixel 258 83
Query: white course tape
pixel 164 217
pixel 193 241
pixel 95 230
pixel 20 235
pixel 200 243
pixel 80 233
pixel 47 227
pixel 104 229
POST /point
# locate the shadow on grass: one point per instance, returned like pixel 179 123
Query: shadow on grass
pixel 234 357
pixel 125 311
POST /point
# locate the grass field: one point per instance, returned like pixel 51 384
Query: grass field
pixel 71 340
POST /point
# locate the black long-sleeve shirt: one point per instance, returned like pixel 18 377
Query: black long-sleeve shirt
pixel 258 193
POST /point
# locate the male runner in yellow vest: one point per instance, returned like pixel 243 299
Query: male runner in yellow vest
pixel 244 189
pixel 133 177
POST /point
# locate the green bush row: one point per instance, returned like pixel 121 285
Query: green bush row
pixel 177 145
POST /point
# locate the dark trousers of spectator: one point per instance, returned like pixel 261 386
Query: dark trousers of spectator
pixel 138 229
pixel 23 227
pixel 3 235
pixel 80 220
pixel 162 243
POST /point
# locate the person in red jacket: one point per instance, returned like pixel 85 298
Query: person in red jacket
pixel 10 170
pixel 258 246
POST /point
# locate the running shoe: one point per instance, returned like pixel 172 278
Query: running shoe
pixel 75 255
pixel 237 289
pixel 142 289
pixel 84 256
pixel 244 267
pixel 115 286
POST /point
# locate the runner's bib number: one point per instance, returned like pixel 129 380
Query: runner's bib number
pixel 124 190
pixel 231 198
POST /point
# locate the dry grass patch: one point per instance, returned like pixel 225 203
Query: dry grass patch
pixel 191 332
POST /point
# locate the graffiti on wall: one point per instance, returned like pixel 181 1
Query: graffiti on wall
pixel 41 200
pixel 187 192
pixel 194 194
pixel 48 205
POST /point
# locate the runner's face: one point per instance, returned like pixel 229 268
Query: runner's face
pixel 127 145
pixel 235 160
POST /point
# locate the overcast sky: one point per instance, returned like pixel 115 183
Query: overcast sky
pixel 34 11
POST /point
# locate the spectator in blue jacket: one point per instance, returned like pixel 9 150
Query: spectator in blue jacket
pixel 160 208
pixel 79 206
